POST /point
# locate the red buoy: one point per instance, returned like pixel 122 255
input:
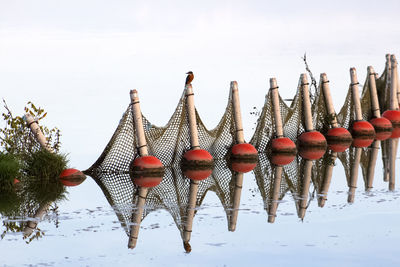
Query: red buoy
pixel 394 117
pixel 362 141
pixel 282 159
pixel 197 164
pixel 244 150
pixel 147 181
pixel 339 139
pixel 312 153
pixel 312 139
pixel 283 145
pixel 72 177
pixel 147 163
pixel 362 129
pixel 198 157
pixel 243 166
pixel 383 128
pixel 197 174
pixel 146 171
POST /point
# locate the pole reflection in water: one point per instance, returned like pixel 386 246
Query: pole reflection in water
pixel 190 211
pixel 305 187
pixel 137 216
pixel 374 149
pixel 323 192
pixel 38 216
pixel 352 183
pixel 234 210
pixel 276 189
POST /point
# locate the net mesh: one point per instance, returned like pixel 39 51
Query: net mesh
pixel 169 143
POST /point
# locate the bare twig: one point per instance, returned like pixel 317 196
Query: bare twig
pixel 313 80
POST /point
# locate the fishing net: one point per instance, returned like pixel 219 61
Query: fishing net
pixel 167 143
pixel 265 176
pixel 172 194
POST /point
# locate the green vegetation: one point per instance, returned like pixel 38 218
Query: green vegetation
pixel 37 169
pixel 9 170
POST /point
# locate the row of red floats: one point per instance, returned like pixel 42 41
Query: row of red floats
pixel 147 171
pixel 197 164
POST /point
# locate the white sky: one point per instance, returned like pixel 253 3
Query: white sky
pixel 78 59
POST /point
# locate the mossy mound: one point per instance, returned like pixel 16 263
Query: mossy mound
pixel 42 171
pixel 44 165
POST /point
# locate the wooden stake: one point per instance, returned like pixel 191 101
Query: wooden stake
pixel 276 107
pixel 374 95
pixel 194 138
pixel 236 112
pixel 327 180
pixel 305 189
pixel 328 100
pixel 371 164
pixel 137 217
pixel 236 201
pixel 354 175
pixel 355 94
pixel 34 125
pixel 273 205
pixel 393 84
pixel 138 121
pixel 306 103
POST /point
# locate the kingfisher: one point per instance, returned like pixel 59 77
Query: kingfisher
pixel 189 78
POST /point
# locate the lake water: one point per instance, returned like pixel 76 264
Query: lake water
pixel 79 59
pixel 85 230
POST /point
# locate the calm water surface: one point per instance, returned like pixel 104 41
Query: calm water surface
pixel 86 230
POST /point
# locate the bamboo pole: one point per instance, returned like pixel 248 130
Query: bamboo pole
pixel 386 171
pixel 372 163
pixel 398 89
pixel 236 201
pixel 305 188
pixel 276 107
pixel 34 126
pixel 191 208
pixel 323 196
pixel 273 205
pixel 137 217
pixel 394 105
pixel 138 121
pixel 328 100
pixel 355 94
pixel 374 95
pixel 236 113
pixel 306 103
pixel 194 138
pixel 354 175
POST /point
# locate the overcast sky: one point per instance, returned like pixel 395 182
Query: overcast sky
pixel 79 59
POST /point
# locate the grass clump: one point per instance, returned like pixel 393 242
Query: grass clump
pixel 42 171
pixel 45 165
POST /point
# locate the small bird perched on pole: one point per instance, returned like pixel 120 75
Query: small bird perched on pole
pixel 189 78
